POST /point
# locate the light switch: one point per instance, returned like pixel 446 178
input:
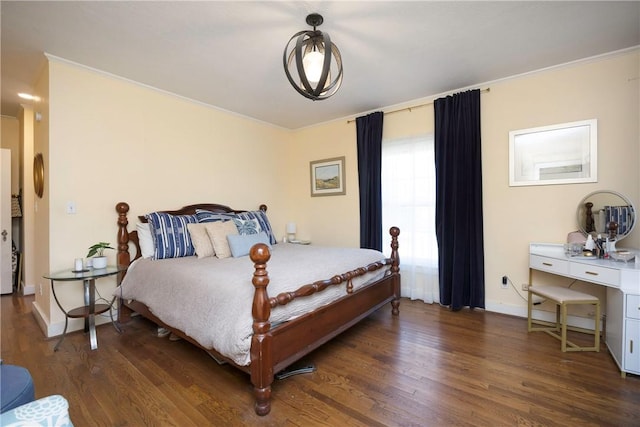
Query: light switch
pixel 71 207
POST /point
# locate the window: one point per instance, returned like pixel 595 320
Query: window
pixel 408 201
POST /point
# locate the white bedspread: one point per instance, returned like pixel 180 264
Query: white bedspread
pixel 210 299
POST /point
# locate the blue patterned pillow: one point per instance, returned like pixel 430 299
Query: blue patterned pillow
pixel 263 222
pixel 171 238
pixel 247 226
pixel 208 216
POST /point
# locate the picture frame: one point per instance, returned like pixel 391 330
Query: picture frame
pixel 327 177
pixel 565 153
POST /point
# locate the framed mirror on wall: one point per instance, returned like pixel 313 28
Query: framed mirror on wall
pixel 565 153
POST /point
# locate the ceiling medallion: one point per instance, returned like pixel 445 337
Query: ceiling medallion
pixel 317 75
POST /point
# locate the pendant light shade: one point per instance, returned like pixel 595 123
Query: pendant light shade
pixel 312 62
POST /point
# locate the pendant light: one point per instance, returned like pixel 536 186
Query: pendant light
pixel 314 60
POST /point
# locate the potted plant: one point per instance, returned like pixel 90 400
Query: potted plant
pixel 97 252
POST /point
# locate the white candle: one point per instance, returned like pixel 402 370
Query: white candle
pixel 78 264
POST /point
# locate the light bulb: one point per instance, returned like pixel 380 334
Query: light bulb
pixel 312 63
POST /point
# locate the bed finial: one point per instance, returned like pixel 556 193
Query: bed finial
pixel 261 378
pixel 395 269
pixel 123 256
pixel 395 265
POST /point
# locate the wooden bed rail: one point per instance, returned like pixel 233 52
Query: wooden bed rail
pixel 285 298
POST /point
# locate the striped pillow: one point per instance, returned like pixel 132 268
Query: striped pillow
pixel 208 216
pixel 171 238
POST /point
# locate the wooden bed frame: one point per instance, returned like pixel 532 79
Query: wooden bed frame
pixel 272 350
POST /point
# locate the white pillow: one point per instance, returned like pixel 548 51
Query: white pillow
pixel 145 239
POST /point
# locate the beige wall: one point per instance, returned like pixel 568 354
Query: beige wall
pixel 514 216
pixel 42 250
pixel 335 220
pixel 327 220
pixel 604 89
pixel 25 118
pixel 109 140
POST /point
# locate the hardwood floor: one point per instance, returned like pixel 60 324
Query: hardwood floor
pixel 429 367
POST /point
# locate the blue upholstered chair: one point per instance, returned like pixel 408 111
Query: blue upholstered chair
pixel 18 407
pixel 48 411
pixel 16 387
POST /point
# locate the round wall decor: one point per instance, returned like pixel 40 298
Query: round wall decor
pixel 38 174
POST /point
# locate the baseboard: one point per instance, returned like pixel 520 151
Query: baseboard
pixel 29 290
pixel 40 319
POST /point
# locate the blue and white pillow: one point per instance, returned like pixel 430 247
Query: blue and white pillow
pixel 247 226
pixel 263 222
pixel 208 216
pixel 170 235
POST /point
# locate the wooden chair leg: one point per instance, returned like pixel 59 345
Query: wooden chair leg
pixel 529 310
pixel 597 328
pixel 564 328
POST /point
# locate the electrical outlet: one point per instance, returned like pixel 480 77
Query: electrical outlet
pixel 40 289
pixel 505 283
pixel 525 287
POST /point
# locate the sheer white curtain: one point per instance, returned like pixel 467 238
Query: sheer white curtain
pixel 408 201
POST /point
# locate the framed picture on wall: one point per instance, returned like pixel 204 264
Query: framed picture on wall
pixel 566 153
pixel 327 177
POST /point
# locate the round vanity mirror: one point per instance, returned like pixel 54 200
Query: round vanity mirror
pixel 598 209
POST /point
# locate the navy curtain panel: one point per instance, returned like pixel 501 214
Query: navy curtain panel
pixel 459 228
pixel 369 129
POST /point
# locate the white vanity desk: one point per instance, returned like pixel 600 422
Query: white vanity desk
pixel 622 280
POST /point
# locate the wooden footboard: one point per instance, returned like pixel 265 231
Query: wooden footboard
pixel 274 349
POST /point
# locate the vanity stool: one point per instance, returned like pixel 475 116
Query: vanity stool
pixel 563 297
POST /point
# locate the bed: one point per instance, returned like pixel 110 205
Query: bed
pixel 282 327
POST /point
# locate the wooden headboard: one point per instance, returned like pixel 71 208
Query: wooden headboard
pixel 125 236
pixel 191 209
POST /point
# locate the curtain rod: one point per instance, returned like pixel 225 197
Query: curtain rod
pixel 415 106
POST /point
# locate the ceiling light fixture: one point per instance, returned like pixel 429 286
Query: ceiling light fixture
pixel 28 96
pixel 304 56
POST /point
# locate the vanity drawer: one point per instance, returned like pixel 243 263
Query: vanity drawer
pixel 633 306
pixel 552 265
pixel 595 273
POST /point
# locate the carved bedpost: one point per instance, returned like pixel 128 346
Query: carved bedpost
pixel 589 223
pixel 123 258
pixel 261 361
pixel 395 268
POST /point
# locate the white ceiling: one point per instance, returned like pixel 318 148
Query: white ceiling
pixel 228 54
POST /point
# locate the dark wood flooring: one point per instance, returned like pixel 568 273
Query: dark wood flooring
pixel 429 367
